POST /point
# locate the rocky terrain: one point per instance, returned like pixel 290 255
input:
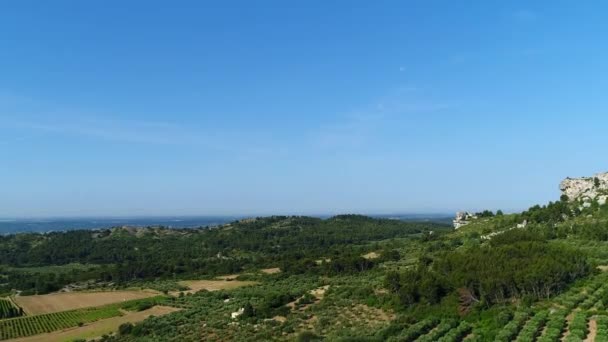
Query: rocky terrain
pixel 586 189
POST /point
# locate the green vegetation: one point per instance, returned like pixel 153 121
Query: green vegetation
pixel 510 331
pixel 32 325
pixel 416 330
pixel 123 255
pixel 578 327
pixel 442 329
pixel 517 265
pixel 555 326
pixel 519 277
pixel 602 329
pixel 533 327
pixel 457 334
pixel 8 310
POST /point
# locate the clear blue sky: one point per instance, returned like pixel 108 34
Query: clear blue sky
pixel 297 107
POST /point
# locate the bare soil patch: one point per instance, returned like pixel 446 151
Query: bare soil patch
pixel 592 330
pixel 55 302
pixel 213 285
pixel 96 329
pixel 281 319
pixel 568 321
pixel 468 337
pixel 228 277
pixel 274 270
pixel 371 255
pixel 318 293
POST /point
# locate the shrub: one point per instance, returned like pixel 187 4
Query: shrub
pixel 533 326
pixel 510 330
pixel 417 330
pixel 308 336
pixel 555 326
pixel 439 331
pixel 457 334
pixel 578 327
pixel 125 329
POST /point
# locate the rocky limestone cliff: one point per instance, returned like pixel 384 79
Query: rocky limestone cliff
pixel 586 188
pixel 462 219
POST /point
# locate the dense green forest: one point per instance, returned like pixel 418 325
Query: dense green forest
pixel 125 254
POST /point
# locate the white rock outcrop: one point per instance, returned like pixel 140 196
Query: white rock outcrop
pixel 591 187
pixel 462 219
pixel 238 313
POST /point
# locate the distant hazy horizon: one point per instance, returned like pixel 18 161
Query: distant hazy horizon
pixel 235 216
pixel 297 107
pixel 20 225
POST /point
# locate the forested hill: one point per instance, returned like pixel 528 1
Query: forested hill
pixel 124 254
pixel 499 277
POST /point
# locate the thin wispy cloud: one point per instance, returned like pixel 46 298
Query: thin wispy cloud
pixel 364 127
pixel 114 130
pixel 141 132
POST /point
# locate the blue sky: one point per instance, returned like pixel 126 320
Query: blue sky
pixel 297 107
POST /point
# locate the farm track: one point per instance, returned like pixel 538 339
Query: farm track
pixel 592 331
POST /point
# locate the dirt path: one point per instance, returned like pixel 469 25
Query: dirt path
pixel 96 329
pixel 567 329
pixel 213 285
pixel 542 332
pixel 592 331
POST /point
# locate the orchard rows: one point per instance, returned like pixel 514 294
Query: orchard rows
pixel 568 318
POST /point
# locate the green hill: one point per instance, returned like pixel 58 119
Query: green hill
pixel 530 276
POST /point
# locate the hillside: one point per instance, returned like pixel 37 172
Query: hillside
pixel 531 276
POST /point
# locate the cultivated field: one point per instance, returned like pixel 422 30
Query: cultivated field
pixel 7 309
pixel 214 285
pixel 99 328
pixel 58 321
pixel 56 302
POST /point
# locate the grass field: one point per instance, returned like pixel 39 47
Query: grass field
pixel 98 328
pixel 56 302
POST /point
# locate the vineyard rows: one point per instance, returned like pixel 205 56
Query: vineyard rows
pixel 566 318
pixel 33 325
pixel 8 310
